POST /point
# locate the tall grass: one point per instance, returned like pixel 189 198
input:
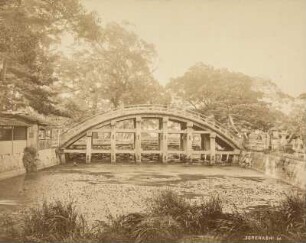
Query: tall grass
pixel 192 218
pixel 208 218
pixel 288 220
pixel 117 229
pixel 154 229
pixel 169 218
pixel 55 221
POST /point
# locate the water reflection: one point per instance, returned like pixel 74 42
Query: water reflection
pixel 15 192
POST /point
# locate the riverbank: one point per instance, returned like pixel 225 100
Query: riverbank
pixel 12 165
pixel 168 217
pixel 279 166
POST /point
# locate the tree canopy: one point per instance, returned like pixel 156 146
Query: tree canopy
pixel 28 30
pixel 111 66
pixel 223 94
pixel 116 71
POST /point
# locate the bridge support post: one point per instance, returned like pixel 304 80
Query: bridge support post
pixel 165 140
pixel 212 148
pixel 61 156
pixel 189 142
pixel 205 140
pixel 113 142
pixel 138 140
pixel 88 146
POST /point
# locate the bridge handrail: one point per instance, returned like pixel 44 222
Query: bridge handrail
pixel 214 123
pixel 186 112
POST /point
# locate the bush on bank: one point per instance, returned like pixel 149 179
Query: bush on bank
pixel 29 159
pixel 169 218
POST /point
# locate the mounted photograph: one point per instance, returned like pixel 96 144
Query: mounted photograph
pixel 151 121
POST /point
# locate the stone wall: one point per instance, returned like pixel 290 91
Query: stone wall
pixel 12 165
pixel 47 158
pixel 288 169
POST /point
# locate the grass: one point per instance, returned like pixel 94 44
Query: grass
pixel 288 220
pixel 8 228
pixel 168 218
pixel 55 221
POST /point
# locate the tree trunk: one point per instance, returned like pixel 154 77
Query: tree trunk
pixel 115 100
pixel 3 90
pixel 3 71
pixel 95 103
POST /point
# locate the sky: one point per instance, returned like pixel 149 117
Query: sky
pixel 261 38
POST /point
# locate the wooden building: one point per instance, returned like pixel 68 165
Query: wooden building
pixel 18 131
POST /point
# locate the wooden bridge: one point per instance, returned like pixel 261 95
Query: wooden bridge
pixel 144 130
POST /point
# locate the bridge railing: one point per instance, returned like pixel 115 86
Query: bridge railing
pixel 187 112
pixel 164 108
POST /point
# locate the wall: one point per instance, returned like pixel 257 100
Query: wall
pixel 47 158
pixel 290 170
pixel 32 136
pixel 18 146
pixel 5 147
pixel 12 147
pixel 12 165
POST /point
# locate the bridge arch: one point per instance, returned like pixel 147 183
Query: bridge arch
pixel 171 131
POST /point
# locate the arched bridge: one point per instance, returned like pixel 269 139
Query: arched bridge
pixel 141 131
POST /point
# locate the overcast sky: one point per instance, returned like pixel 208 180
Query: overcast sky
pixel 264 38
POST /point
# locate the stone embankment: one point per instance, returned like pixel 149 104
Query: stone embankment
pixel 280 166
pixel 12 165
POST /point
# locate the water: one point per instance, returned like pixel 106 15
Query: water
pixel 102 189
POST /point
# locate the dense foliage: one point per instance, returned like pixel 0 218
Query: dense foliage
pixel 110 66
pixel 114 72
pixel 28 31
pixel 225 95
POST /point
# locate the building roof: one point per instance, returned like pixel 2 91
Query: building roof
pixel 5 121
pixel 19 119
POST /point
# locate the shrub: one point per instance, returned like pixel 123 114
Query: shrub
pixel 290 218
pixel 154 229
pixel 117 229
pixel 29 159
pixel 54 221
pixel 286 221
pixel 157 225
pixel 235 226
pixel 193 219
pixel 168 203
pixel 202 219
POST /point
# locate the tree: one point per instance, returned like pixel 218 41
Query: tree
pixel 296 122
pixel 116 71
pixel 223 94
pixel 28 30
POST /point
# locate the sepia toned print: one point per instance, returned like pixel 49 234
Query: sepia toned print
pixel 152 121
